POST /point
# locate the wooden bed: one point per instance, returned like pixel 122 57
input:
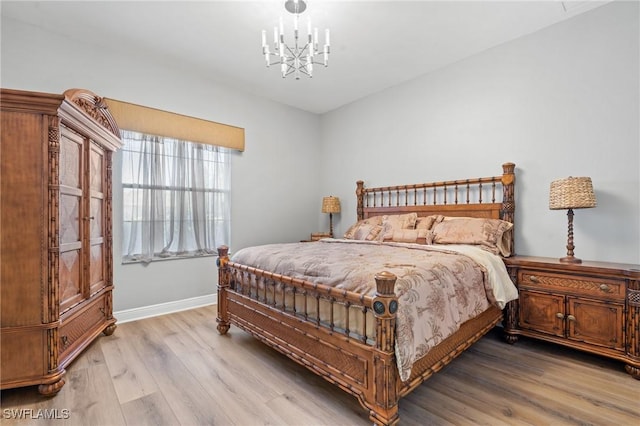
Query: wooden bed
pixel 361 364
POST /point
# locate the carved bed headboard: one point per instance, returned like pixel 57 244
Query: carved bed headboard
pixel 487 197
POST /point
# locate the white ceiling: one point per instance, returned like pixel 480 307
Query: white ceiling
pixel 374 44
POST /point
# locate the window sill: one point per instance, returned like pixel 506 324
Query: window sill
pixel 163 259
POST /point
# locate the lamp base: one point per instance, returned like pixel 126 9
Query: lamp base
pixel 570 259
pixel 331 225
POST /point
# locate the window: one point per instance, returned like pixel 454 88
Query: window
pixel 175 198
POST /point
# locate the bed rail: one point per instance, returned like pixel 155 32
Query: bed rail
pixel 369 319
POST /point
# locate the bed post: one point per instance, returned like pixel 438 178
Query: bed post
pixel 508 195
pixel 360 196
pixel 507 212
pixel 385 305
pixel 223 285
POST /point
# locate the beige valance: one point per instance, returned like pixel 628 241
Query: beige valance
pixel 163 123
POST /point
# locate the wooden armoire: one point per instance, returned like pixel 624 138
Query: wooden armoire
pixel 56 264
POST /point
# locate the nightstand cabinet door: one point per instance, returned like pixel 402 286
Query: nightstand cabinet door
pixel 596 323
pixel 542 312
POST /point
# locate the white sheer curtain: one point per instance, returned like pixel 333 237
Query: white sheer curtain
pixel 176 198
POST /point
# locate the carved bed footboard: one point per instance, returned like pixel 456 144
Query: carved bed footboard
pixel 288 315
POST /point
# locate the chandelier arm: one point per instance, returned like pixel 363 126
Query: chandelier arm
pixel 277 62
pixel 291 52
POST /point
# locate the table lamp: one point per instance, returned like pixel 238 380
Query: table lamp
pixel 330 205
pixel 571 193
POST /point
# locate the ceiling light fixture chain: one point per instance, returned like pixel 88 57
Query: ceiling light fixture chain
pixel 304 53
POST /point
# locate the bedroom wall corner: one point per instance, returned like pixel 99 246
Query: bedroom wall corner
pixel 563 101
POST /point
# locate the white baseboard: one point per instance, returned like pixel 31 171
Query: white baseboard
pixel 165 308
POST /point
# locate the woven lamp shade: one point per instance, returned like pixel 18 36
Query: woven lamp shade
pixel 572 193
pixel 330 205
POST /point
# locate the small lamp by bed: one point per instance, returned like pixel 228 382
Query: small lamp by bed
pixel 571 193
pixel 330 205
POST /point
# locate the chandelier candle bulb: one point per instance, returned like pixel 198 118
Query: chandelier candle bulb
pixel 326 37
pixel 264 39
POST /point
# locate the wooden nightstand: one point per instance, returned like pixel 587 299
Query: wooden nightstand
pixel 591 306
pixel 316 236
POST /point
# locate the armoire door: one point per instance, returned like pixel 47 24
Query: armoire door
pixel 71 212
pixel 96 218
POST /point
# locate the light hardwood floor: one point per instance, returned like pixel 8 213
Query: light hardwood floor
pixel 177 370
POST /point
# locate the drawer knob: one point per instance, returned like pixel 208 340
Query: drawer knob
pixel 65 340
pixel 605 288
pixel 571 318
pixel 560 315
pixel 534 279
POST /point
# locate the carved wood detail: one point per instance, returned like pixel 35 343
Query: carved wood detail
pixel 52 388
pixel 95 107
pixel 74 330
pixel 52 344
pixel 51 294
pixel 633 325
pixel 223 286
pixel 108 223
pixel 598 287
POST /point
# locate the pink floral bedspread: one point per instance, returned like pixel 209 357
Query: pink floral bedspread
pixel 438 288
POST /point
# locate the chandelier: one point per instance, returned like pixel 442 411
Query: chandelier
pixel 303 54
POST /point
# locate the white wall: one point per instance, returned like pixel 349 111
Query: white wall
pixel 275 165
pixel 559 102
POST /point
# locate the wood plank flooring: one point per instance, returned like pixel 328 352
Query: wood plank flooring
pixel 176 370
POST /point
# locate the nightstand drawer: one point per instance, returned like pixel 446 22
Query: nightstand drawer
pixel 583 285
